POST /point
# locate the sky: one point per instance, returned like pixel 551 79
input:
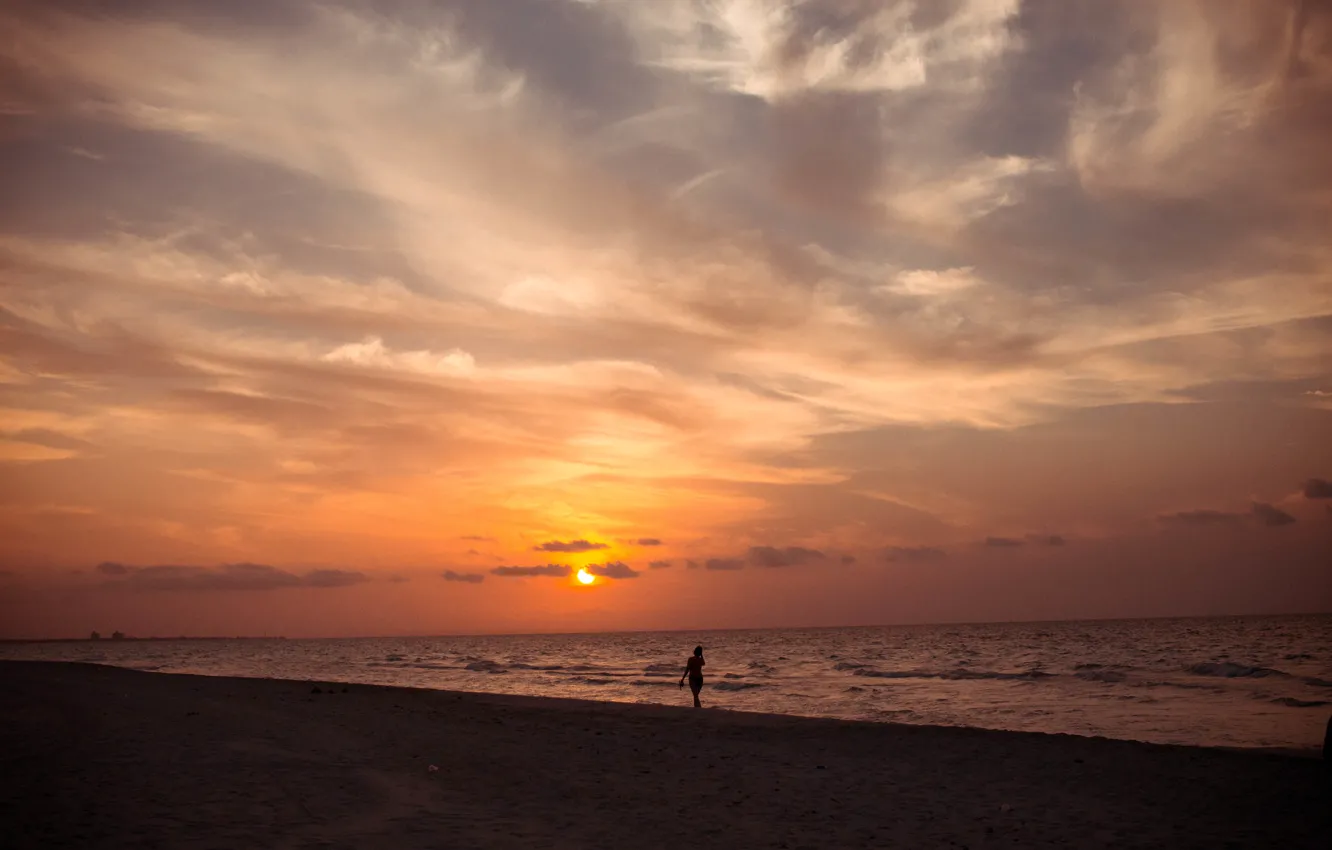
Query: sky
pixel 336 317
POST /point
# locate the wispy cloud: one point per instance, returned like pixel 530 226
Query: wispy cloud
pixel 465 578
pixel 569 546
pixel 226 577
pixel 551 570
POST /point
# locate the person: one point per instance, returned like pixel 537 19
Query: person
pixel 694 670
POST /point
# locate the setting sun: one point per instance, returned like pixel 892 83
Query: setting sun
pixel 584 577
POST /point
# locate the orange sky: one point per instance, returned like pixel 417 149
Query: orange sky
pixel 319 318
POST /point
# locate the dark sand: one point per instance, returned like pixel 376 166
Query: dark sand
pixel 102 757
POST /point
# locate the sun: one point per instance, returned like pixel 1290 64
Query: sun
pixel 584 577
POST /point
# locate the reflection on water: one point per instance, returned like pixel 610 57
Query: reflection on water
pixel 1244 681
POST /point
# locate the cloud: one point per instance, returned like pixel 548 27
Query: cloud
pixel 226 577
pixel 723 564
pixel 467 578
pixel 569 546
pixel 332 578
pixel 1003 542
pixel 648 541
pixel 768 556
pixel 672 298
pixel 1260 512
pixel 1202 517
pixel 477 538
pixel 914 553
pixel 848 560
pixel 1317 488
pixel 1047 539
pixel 658 565
pixel 553 570
pixel 1271 516
pixel 612 569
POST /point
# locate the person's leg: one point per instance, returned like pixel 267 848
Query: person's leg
pixel 696 687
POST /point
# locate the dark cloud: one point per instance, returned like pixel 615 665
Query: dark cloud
pixel 230 577
pixel 569 546
pixel 1003 542
pixel 914 553
pixel 1204 517
pixel 573 52
pixel 658 565
pixel 612 569
pixel 848 560
pixel 836 171
pixel 1046 539
pixel 48 438
pixel 1317 488
pixel 1260 512
pixel 466 578
pixel 553 570
pixel 479 538
pixel 1270 515
pixel 332 578
pixel 724 564
pixel 648 541
pixel 791 556
pixel 692 564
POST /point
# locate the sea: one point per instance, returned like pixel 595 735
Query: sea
pixel 1252 682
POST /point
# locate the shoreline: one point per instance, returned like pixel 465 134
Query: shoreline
pixel 114 757
pixel 536 701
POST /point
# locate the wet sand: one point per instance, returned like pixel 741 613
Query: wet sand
pixel 104 757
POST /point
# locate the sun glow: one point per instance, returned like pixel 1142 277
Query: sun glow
pixel 584 577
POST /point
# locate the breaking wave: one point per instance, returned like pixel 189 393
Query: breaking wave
pixel 957 674
pixel 1231 670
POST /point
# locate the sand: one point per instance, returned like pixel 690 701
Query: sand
pixel 103 757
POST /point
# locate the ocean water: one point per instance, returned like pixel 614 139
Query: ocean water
pixel 1239 681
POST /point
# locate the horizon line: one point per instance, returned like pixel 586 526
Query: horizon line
pixel 89 639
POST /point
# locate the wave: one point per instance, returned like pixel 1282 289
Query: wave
pixel 1231 670
pixel 891 674
pixel 1109 677
pixel 661 668
pixel 485 665
pixel 419 665
pixel 1300 703
pixel 957 674
pixel 544 668
pixel 736 686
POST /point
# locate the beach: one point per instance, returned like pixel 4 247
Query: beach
pixel 104 757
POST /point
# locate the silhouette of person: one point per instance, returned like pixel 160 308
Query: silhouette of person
pixel 694 670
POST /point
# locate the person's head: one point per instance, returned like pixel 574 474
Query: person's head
pixel 698 650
